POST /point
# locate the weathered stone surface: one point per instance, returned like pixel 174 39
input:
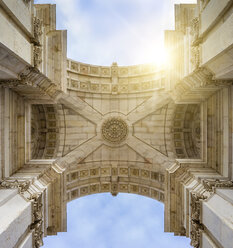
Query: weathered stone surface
pixel 70 129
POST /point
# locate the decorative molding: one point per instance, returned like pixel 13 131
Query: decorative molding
pixel 195 56
pixel 196 225
pixel 114 130
pixel 36 199
pixel 31 76
pixel 106 71
pixel 195 30
pixel 201 79
pixel 204 4
pixel 211 184
pixel 27 1
pixel 123 86
pixel 37 56
pixel 37 31
pixel 10 83
pixel 37 218
pixel 22 186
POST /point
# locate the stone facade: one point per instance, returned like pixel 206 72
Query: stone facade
pixel 69 129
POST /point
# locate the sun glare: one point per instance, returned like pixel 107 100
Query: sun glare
pixel 158 57
pixel 161 58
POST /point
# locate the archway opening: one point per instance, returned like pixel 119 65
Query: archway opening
pixel 128 220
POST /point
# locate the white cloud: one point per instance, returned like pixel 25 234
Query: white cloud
pixel 127 221
pixel 103 31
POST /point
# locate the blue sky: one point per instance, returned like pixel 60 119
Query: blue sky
pixel 123 31
pixel 125 221
pixel 128 32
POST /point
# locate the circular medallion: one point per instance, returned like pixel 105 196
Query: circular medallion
pixel 114 130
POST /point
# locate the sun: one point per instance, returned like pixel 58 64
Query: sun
pixel 156 55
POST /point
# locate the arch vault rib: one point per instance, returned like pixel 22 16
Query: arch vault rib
pixel 149 153
pixel 80 107
pixel 78 154
pixel 157 101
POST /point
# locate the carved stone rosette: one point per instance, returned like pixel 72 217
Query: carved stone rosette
pixel 114 130
pixel 196 225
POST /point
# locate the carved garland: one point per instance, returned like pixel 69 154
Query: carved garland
pixel 36 200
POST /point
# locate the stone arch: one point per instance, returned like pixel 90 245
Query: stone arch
pixel 44 131
pixel 126 178
pixel 186 131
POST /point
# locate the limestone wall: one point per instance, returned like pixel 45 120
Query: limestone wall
pixel 13 127
pixel 16 26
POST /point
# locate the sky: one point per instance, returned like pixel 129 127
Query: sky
pixel 125 221
pixel 124 31
pixel 127 32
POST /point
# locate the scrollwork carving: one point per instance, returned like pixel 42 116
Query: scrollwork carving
pixel 37 218
pixel 196 225
pixel 27 1
pixel 195 29
pixel 22 186
pixel 37 56
pixel 211 184
pixel 37 31
pixel 10 83
pixel 36 200
pixel 195 56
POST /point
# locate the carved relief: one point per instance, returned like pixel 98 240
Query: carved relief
pixel 114 130
pixel 37 218
pixel 36 200
pixel 195 57
pixel 195 29
pixel 37 56
pixel 115 88
pixel 114 69
pixel 37 31
pixel 196 225
pixel 211 184
pixel 204 3
pixel 21 186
